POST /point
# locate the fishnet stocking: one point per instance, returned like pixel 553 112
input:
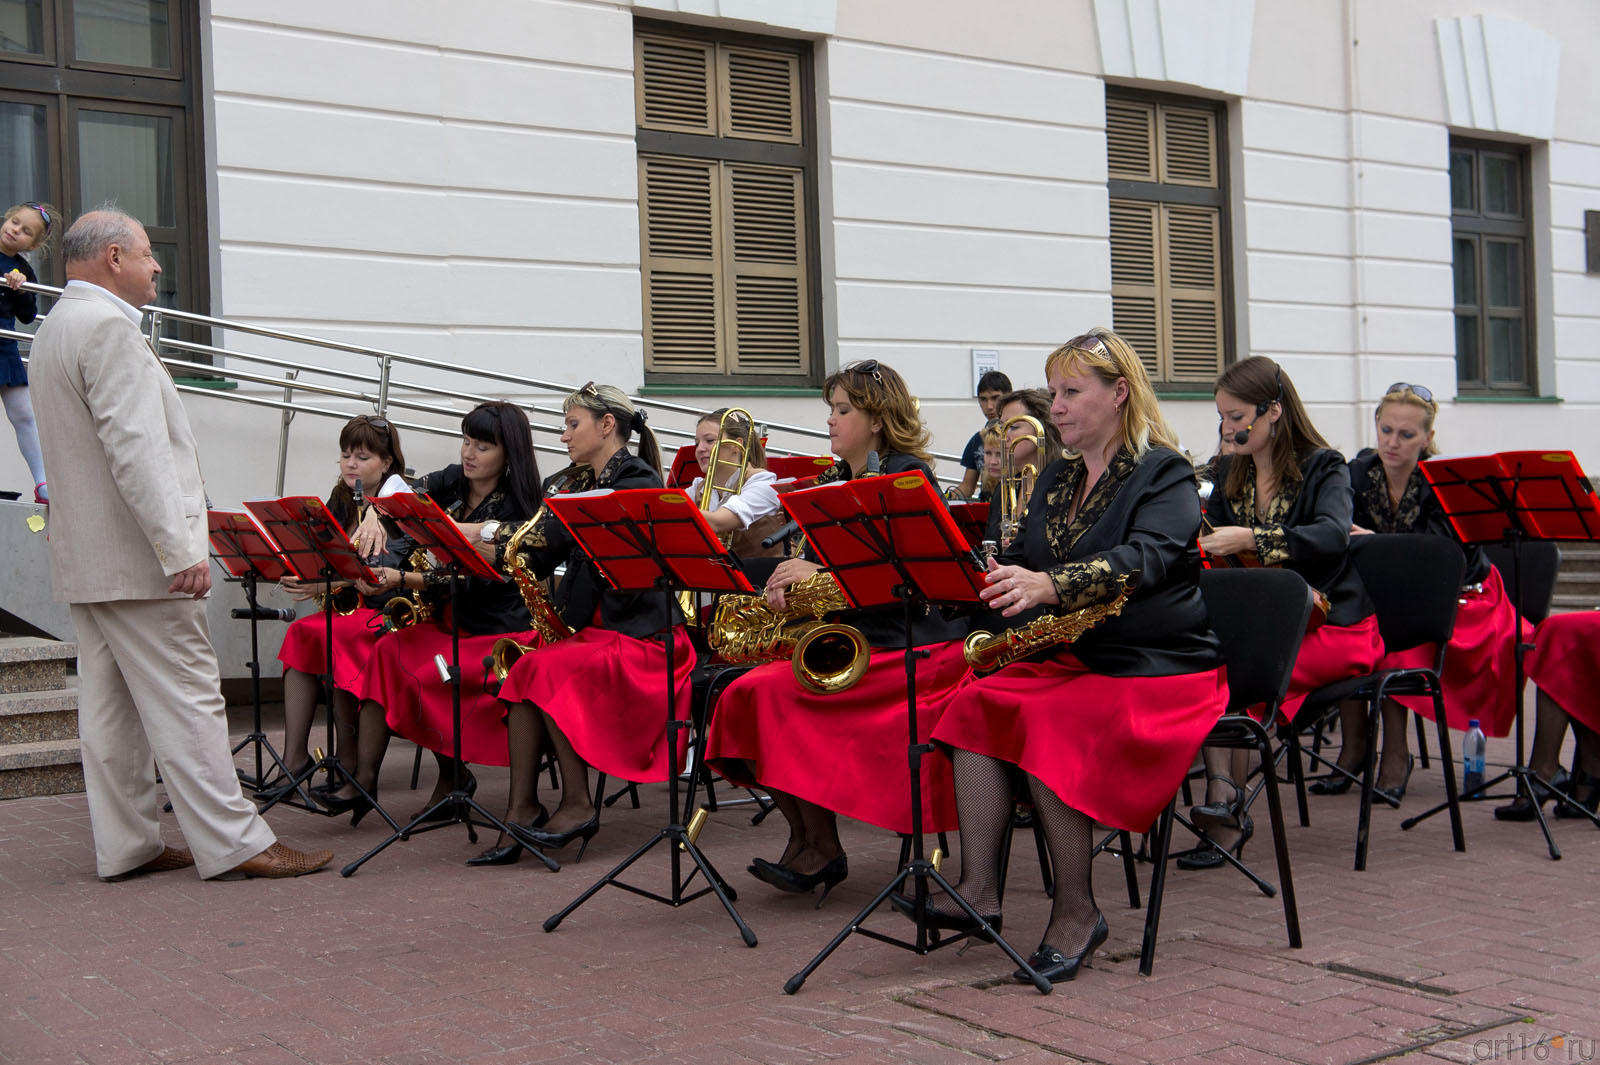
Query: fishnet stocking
pixel 984 804
pixel 1069 836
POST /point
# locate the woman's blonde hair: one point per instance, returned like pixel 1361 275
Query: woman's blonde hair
pixel 878 390
pixel 1108 357
pixel 1403 395
pixel 601 400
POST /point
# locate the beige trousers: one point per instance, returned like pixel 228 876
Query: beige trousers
pixel 150 695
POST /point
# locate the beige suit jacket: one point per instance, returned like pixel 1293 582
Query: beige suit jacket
pixel 127 504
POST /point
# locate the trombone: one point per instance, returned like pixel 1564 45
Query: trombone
pixel 734 421
pixel 1016 485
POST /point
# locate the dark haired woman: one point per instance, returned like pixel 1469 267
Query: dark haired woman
pixel 1032 403
pixel 369 453
pixel 1103 730
pixel 1283 495
pixel 819 756
pixel 597 698
pixel 493 488
pixel 1392 496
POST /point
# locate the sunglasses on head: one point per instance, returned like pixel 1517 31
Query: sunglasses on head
pixel 1091 344
pixel 589 390
pixel 1419 391
pixel 868 369
pixel 44 213
pixel 380 424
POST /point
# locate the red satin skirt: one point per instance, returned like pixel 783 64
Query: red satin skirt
pixel 402 677
pixel 1480 664
pixel 1565 663
pixel 846 751
pixel 1333 653
pixel 1115 748
pixel 606 693
pixel 354 636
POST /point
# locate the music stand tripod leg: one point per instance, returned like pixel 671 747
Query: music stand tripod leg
pixel 257 738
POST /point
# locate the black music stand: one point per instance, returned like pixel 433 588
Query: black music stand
pixel 891 539
pixel 317 549
pixel 652 538
pixel 435 532
pixel 1511 498
pixel 247 555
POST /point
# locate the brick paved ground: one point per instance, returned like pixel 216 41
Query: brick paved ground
pixel 416 960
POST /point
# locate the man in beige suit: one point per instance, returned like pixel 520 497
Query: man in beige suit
pixel 128 552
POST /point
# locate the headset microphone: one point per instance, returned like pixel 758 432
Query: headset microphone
pixel 1242 437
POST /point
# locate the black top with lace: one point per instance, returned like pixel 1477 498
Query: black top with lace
pixel 1141 515
pixel 636 614
pixel 1419 510
pixel 1306 528
pixel 486 606
pixel 884 627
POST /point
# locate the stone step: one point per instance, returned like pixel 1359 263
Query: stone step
pixel 48 767
pixel 31 664
pixel 28 717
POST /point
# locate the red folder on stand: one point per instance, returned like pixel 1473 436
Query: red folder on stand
pixel 973 520
pixel 1538 495
pixel 242 546
pixel 426 522
pixel 637 536
pixel 309 538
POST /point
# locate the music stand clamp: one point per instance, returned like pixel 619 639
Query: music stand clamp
pixel 315 549
pixel 1510 498
pixel 247 555
pixel 891 539
pixel 435 532
pixel 653 538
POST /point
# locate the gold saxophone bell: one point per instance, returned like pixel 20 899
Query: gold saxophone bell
pixel 831 658
pixel 504 654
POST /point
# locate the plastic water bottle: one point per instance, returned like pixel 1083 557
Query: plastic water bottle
pixel 1472 759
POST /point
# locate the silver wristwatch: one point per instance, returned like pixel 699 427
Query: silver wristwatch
pixel 486 534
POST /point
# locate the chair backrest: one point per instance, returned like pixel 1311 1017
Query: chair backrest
pixel 1415 582
pixel 1529 574
pixel 1260 617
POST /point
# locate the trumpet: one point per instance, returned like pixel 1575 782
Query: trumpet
pixel 826 658
pixel 987 650
pixel 1016 485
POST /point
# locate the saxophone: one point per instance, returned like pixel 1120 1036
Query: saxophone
pixel 826 658
pixel 986 650
pixel 408 608
pixel 546 621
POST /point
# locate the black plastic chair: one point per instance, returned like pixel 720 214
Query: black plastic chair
pixel 1260 617
pixel 1415 583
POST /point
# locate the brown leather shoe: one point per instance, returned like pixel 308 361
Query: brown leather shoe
pixel 278 861
pixel 170 858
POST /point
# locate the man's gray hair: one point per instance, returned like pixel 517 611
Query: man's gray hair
pixel 94 232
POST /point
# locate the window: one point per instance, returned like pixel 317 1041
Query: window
pixel 1169 248
pixel 727 214
pixel 1490 243
pixel 101 103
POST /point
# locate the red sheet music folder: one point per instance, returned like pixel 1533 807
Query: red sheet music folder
pixel 875 533
pixel 973 520
pixel 308 537
pixel 625 531
pixel 804 468
pixel 1545 491
pixel 426 522
pixel 241 545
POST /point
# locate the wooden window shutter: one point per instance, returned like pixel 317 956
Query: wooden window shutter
pixel 1188 147
pixel 1131 139
pixel 761 98
pixel 680 236
pixel 675 84
pixel 1191 244
pixel 766 269
pixel 1135 292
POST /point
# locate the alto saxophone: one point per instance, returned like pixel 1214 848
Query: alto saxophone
pixel 986 650
pixel 408 608
pixel 827 658
pixel 546 621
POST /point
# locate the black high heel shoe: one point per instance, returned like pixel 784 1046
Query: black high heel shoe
pixel 281 787
pixel 557 840
pixel 1586 790
pixel 1211 857
pixel 1520 809
pixel 1050 963
pixel 1224 813
pixel 1332 784
pixel 444 813
pixel 786 879
pixel 356 806
pixel 945 922
pixel 1395 794
pixel 511 850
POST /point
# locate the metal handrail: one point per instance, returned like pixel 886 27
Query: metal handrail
pixel 381 397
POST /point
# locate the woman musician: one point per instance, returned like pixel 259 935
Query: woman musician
pixel 1103 731
pixel 1565 664
pixel 596 698
pixel 821 755
pixel 1282 496
pixel 1392 496
pixel 493 488
pixel 742 504
pixel 369 455
pixel 1020 448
